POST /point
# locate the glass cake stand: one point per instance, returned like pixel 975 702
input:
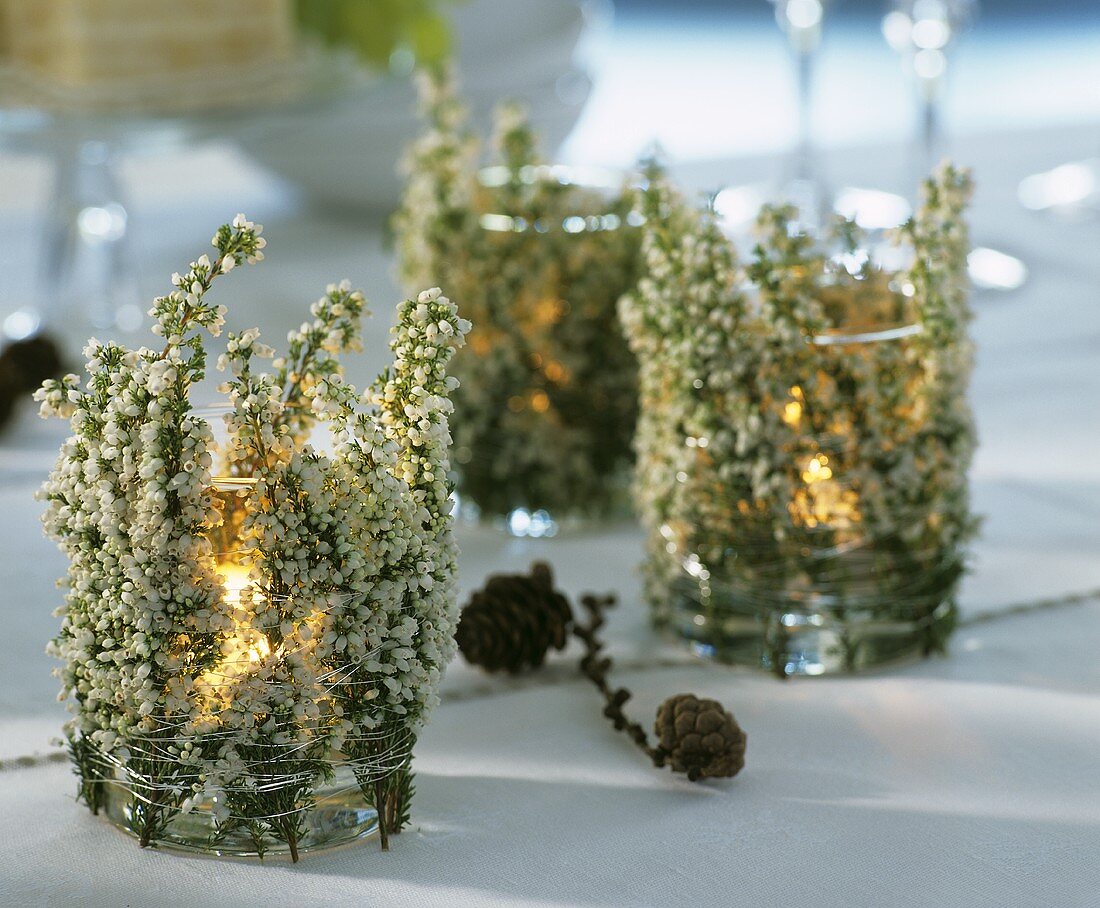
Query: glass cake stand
pixel 86 242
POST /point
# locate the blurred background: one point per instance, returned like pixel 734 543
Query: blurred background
pixel 708 78
pixel 123 140
pixel 123 144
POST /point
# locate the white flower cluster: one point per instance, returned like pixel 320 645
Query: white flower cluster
pixel 239 697
pixel 771 436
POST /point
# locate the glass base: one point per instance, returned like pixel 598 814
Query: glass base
pixel 529 521
pixel 808 641
pixel 1071 190
pixel 339 816
pixel 537 524
pixel 542 524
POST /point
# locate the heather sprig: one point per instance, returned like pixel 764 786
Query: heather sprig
pixel 802 404
pixel 237 706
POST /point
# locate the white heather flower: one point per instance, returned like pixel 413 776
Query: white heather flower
pixel 351 555
pixel 692 328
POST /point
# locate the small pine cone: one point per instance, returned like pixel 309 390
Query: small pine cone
pixel 10 390
pixel 698 737
pixel 512 623
pixel 24 365
pixel 30 362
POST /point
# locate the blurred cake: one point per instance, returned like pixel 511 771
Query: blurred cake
pixel 123 53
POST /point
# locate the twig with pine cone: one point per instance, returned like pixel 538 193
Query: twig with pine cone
pixel 512 623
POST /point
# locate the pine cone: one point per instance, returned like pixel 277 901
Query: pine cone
pixel 512 623
pixel 698 737
pixel 30 362
pixel 9 391
pixel 24 365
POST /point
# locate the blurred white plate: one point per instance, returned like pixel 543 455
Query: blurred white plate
pixel 346 153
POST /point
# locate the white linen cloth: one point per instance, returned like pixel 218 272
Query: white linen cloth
pixel 969 780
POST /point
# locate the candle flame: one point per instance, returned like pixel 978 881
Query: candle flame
pixel 235 579
pixel 824 501
pixel 792 410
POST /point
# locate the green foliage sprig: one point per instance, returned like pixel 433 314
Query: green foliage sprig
pixel 377 29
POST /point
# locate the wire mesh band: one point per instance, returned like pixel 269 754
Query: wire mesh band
pixel 149 766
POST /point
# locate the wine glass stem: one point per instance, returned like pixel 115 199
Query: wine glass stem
pixel 804 152
pixel 87 271
pixel 931 130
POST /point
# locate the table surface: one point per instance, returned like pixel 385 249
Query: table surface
pixel 965 780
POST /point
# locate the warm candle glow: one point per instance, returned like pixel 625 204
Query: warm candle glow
pixel 235 578
pixel 824 501
pixel 792 410
pixel 817 470
pixel 246 646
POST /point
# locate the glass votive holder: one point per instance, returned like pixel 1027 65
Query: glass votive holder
pixel 805 438
pixel 254 625
pixel 545 410
pixel 280 805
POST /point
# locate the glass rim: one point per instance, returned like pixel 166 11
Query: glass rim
pixel 209 412
pixel 841 336
pixel 493 176
pixel 601 179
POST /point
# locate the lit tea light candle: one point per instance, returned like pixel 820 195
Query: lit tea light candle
pixel 234 578
pixel 246 646
pixel 824 501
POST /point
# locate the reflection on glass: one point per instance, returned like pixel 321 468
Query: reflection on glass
pixel 1072 190
pixel 993 270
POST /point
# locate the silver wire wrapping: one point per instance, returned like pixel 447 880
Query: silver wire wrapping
pixel 349 774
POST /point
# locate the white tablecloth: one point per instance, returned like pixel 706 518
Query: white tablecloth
pixel 969 780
